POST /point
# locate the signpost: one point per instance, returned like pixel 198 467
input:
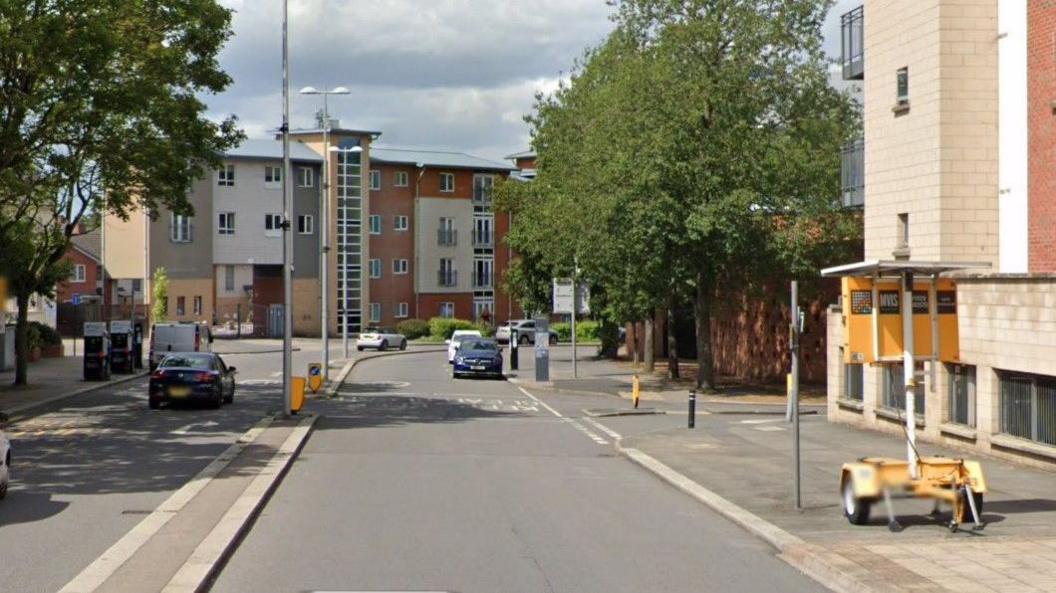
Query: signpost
pixel 315 376
pixel 570 298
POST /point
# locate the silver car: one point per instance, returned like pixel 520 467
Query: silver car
pixel 381 339
pixel 525 332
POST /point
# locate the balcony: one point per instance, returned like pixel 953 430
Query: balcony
pixel 447 278
pixel 447 237
pixel 852 35
pixel 483 238
pixel 481 280
pixel 852 174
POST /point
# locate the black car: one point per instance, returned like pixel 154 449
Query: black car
pixel 478 356
pixel 192 376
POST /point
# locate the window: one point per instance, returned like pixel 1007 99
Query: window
pixel 447 310
pixel 197 305
pixel 400 223
pixel 447 182
pixel 402 310
pixel 399 266
pixel 181 306
pixel 482 269
pixel 483 187
pixel 305 177
pixel 853 381
pixel 903 229
pixel 375 180
pixel 272 175
pixel 895 391
pixel 229 278
pixel 225 176
pixel 137 285
pixel 306 224
pixel 482 235
pixel 447 235
pixel 375 224
pixel 375 312
pixel 272 224
pixel 400 179
pixel 962 394
pixel 902 90
pixel 447 275
pixel 225 223
pixel 180 231
pixel 79 273
pixel 375 267
pixel 1028 406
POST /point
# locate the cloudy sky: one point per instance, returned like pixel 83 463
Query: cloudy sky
pixel 457 74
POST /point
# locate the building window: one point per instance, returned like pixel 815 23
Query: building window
pixel 225 176
pixel 79 273
pixel 400 179
pixel 447 309
pixel 399 266
pixel 853 380
pixel 483 187
pixel 400 223
pixel 902 87
pixel 1028 406
pixel 402 310
pixel 375 312
pixel 375 267
pixel 447 235
pixel 229 278
pixel 903 229
pixel 447 182
pixel 961 394
pixel 225 223
pixel 306 224
pixel 197 305
pixel 272 176
pixel 895 390
pixel 375 180
pixel 137 285
pixel 305 177
pixel 272 224
pixel 447 275
pixel 375 224
pixel 181 306
pixel 180 231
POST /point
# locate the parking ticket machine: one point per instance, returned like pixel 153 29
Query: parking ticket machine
pixel 96 351
pixel 121 342
pixel 138 333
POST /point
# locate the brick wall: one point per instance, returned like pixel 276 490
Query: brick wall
pixel 1041 92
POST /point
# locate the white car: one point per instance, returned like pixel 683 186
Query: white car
pixel 381 339
pixel 525 332
pixel 456 339
pixel 5 457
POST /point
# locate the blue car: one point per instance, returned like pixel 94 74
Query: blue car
pixel 478 356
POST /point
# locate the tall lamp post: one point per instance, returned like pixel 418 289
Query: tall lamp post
pixel 342 257
pixel 325 222
pixel 287 237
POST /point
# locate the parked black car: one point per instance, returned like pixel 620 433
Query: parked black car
pixel 192 376
pixel 478 356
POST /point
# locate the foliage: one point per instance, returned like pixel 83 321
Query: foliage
pixel 413 329
pixel 442 327
pixel 586 330
pixel 43 335
pixel 160 297
pixel 485 329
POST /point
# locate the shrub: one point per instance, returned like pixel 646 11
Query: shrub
pixel 413 328
pixel 441 328
pixel 48 335
pixel 586 331
pixel 485 330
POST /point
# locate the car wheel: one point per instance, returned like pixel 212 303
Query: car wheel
pixel 855 509
pixel 360 348
pixel 384 345
pixel 218 398
pixel 522 340
pixel 154 403
pixel 230 398
pixel 3 490
pixel 403 345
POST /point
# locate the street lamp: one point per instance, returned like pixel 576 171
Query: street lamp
pixel 287 237
pixel 325 222
pixel 344 276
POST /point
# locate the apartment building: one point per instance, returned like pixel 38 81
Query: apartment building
pixel 959 133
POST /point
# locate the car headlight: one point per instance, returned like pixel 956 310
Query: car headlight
pixel 459 359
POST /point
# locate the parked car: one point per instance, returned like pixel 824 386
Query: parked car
pixel 198 376
pixel 525 332
pixel 456 339
pixel 5 457
pixel 167 338
pixel 381 339
pixel 478 356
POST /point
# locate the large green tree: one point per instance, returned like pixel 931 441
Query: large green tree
pixel 100 111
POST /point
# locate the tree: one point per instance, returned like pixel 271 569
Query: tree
pixel 101 113
pixel 160 295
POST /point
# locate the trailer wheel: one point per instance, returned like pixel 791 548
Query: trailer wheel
pixel 855 509
pixel 966 509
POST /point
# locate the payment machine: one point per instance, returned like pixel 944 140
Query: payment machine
pixel 138 333
pixel 121 342
pixel 96 351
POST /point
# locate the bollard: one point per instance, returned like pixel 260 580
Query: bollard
pixel 514 363
pixel 635 391
pixel 692 408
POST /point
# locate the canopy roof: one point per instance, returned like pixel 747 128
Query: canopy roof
pixel 895 267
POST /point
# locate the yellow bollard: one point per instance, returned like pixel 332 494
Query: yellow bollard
pixel 297 397
pixel 635 391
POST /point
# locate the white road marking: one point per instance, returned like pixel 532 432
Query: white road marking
pixel 770 428
pixel 766 421
pixel 591 435
pixel 612 433
pixel 186 429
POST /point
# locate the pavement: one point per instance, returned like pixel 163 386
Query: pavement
pixel 52 379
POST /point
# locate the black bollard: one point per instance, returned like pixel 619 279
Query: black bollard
pixel 514 363
pixel 692 408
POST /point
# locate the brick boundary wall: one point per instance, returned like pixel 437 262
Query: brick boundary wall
pixel 1041 125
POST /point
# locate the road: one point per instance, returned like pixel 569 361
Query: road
pixel 88 469
pixel 416 481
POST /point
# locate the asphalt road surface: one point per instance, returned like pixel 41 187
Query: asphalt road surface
pixel 419 482
pixel 88 469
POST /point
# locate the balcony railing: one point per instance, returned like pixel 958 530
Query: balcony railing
pixel 447 237
pixel 852 174
pixel 482 238
pixel 447 278
pixel 852 34
pixel 481 280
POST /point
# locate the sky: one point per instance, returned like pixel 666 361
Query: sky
pixel 442 74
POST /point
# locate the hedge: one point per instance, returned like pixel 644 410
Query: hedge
pixel 41 335
pixel 413 329
pixel 441 328
pixel 586 331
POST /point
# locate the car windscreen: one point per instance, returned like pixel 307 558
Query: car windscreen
pixel 479 346
pixel 187 361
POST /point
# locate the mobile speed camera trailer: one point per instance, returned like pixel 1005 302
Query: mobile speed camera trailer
pixel 890 315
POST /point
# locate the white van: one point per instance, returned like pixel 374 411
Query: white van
pixel 166 338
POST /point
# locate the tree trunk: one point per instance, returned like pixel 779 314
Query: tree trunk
pixel 672 343
pixel 22 341
pixel 648 355
pixel 705 357
pixel 633 341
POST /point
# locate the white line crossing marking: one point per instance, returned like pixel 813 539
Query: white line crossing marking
pixel 598 425
pixel 591 435
pixel 765 421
